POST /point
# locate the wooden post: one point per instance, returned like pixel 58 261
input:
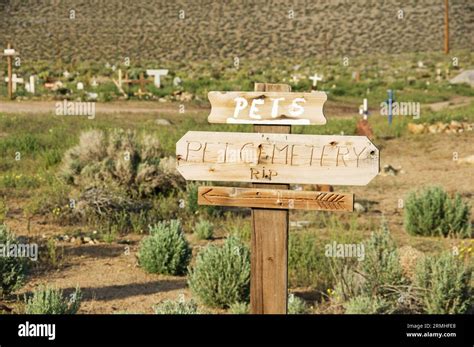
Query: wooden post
pixel 10 73
pixel 446 26
pixel 269 240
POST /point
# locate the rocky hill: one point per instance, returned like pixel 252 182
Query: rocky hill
pixel 208 29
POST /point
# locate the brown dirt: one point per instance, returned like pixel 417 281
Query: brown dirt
pixel 335 109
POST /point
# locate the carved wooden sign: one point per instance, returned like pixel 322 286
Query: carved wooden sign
pixel 267 107
pixel 277 158
pixel 275 199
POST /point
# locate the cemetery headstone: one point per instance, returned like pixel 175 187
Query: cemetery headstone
pixel 157 75
pixel 30 86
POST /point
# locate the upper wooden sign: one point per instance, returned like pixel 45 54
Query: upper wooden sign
pixel 267 107
pixel 277 158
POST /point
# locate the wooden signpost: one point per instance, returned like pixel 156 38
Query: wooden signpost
pixel 275 198
pixel 277 158
pixel 9 52
pixel 271 158
pixel 284 108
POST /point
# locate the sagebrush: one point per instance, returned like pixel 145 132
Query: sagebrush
pixel 176 307
pixel 48 300
pixel 221 275
pixel 119 167
pixel 307 265
pixel 204 229
pixel 12 269
pixel 165 250
pixel 297 305
pixel 377 279
pixel 444 284
pixel 433 213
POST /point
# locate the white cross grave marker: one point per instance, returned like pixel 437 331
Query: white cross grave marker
pixel 157 74
pixel 15 80
pixel 364 109
pixel 315 78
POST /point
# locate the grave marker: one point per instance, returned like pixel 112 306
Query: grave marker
pixel 13 81
pixel 30 86
pixel 315 78
pixel 9 52
pixel 157 74
pixel 177 81
pixel 141 81
pixel 364 109
pixel 389 102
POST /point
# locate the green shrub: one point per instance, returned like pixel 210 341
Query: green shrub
pixel 46 300
pixel 192 197
pixel 204 229
pixel 381 267
pixel 239 308
pixel 191 203
pixel 307 265
pixel 367 305
pixel 238 227
pixel 121 163
pixel 433 213
pixel 297 305
pixel 3 210
pixel 377 280
pixel 221 275
pixel 165 251
pixel 444 284
pixel 176 307
pixel 12 269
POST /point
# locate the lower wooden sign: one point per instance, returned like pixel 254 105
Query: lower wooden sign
pixel 275 198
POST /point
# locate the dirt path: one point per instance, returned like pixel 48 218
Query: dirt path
pixel 331 108
pixel 339 109
pixel 43 107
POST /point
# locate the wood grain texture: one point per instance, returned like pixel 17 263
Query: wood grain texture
pixel 288 108
pixel 275 199
pixel 277 158
pixel 269 241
